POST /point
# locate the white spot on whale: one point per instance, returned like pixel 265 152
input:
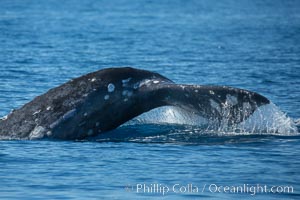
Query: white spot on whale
pixel 111 87
pixel 124 93
pixel 211 92
pixel 56 123
pixel 90 132
pixel 155 82
pixel 231 100
pixel 36 112
pixel 127 93
pixel 66 116
pixel 106 97
pixel 136 85
pixel 85 114
pixel 38 132
pixel 145 82
pixel 69 114
pixel 48 108
pixel 246 106
pixel 215 105
pixel 93 79
pixel 126 80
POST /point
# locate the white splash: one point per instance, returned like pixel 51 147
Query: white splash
pixel 169 115
pixel 266 120
pixel 269 119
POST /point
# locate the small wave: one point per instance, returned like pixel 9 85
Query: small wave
pixel 182 134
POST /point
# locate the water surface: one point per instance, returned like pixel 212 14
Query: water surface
pixel 253 45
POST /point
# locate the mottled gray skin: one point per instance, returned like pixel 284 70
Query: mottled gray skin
pixel 105 99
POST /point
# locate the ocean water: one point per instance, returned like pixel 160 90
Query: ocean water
pixel 252 44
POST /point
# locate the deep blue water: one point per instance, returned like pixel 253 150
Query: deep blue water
pixel 252 44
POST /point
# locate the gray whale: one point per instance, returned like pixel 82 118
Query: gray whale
pixel 105 99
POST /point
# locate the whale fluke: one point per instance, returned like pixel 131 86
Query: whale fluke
pixel 105 99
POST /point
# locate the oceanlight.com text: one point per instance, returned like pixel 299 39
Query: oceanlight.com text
pixel 164 189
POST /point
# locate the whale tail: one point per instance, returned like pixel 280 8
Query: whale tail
pixel 212 102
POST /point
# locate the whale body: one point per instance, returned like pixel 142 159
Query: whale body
pixel 105 99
